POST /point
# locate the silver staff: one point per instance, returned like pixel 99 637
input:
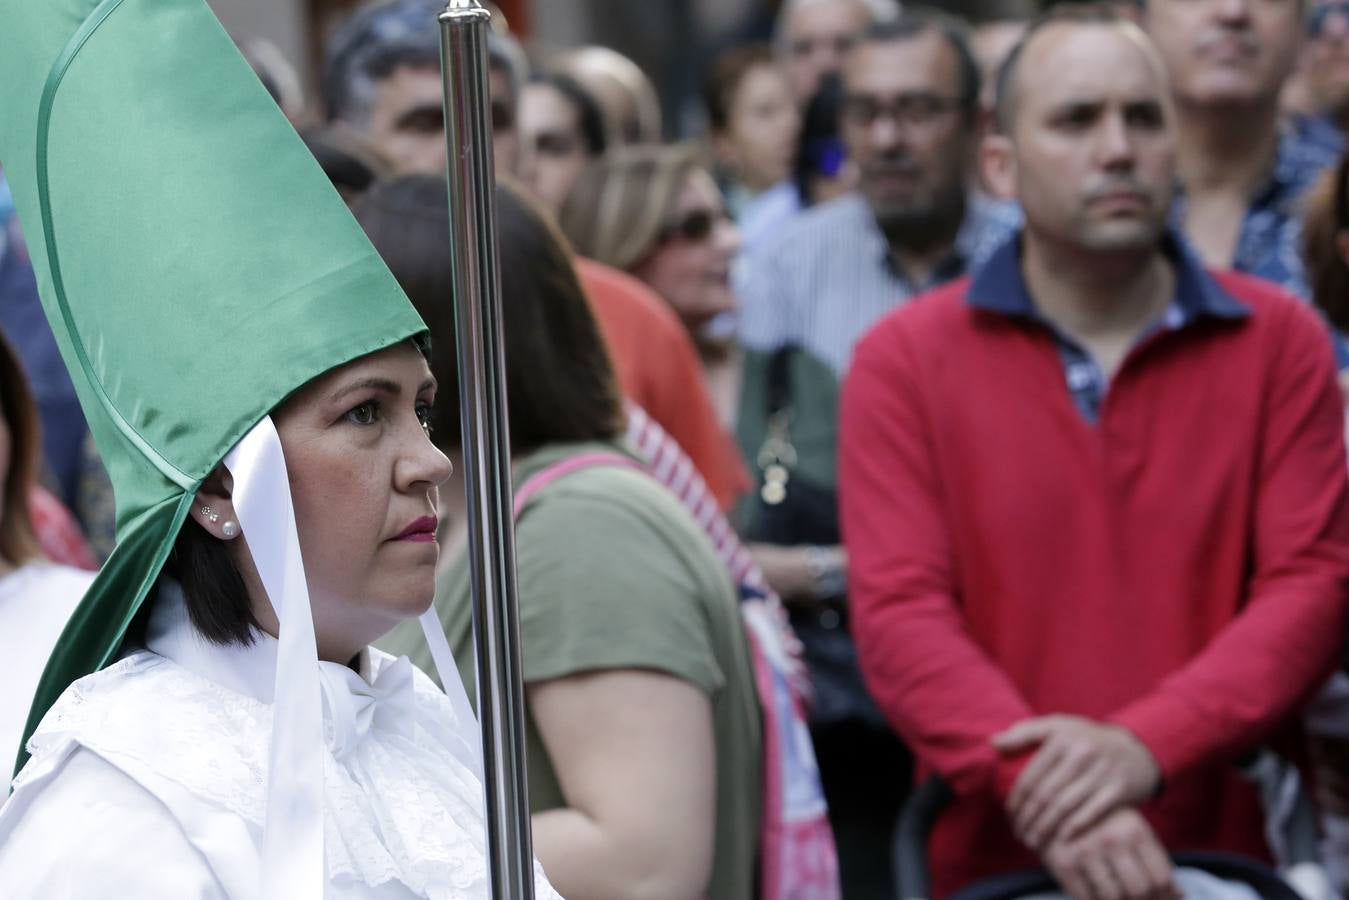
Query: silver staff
pixel 486 443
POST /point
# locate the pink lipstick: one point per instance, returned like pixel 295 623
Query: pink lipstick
pixel 422 530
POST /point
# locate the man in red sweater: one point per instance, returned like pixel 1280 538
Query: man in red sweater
pixel 1095 501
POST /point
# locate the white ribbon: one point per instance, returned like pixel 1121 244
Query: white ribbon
pixel 293 862
pixel 467 747
pixel 292 846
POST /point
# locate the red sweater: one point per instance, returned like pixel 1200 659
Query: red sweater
pixel 1178 568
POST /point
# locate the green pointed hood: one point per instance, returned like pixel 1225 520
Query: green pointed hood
pixel 194 262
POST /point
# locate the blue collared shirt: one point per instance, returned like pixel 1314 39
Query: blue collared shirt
pixel 998 287
pixel 1270 243
pixel 827 276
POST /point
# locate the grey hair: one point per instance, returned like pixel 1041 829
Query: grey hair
pixel 376 40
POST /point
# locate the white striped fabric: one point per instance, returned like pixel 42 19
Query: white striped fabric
pixel 668 464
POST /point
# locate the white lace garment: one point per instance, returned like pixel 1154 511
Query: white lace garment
pixel 149 779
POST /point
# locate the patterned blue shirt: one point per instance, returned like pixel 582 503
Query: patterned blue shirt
pixel 1270 243
pixel 998 286
pixel 827 276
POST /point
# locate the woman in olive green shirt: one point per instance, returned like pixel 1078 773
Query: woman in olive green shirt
pixel 643 727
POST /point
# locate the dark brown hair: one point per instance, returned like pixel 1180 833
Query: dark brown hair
pixel 724 77
pixel 213 590
pixel 18 544
pixel 560 385
pixel 1327 216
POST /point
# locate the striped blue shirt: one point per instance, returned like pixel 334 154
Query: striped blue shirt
pixel 827 276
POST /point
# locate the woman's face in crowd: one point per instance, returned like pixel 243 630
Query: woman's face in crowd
pixel 762 128
pixel 363 478
pixel 553 149
pixel 691 265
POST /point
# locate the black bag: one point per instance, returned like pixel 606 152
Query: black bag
pixel 791 511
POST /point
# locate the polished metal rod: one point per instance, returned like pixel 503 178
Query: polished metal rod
pixel 464 29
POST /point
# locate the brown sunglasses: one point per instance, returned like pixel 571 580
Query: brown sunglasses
pixel 694 226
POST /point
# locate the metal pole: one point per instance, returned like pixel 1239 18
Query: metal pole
pixel 486 444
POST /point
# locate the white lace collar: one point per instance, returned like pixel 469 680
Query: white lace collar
pixel 399 806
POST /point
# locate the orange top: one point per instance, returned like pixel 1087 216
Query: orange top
pixel 658 369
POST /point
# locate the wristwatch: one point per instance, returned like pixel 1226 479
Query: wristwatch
pixel 828 575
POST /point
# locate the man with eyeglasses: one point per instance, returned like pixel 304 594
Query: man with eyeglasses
pixel 909 120
pixel 1095 501
pixel 1242 168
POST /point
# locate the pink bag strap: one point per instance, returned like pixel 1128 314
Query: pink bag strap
pixel 546 476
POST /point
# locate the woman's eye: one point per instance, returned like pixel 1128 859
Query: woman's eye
pixel 365 414
pixel 424 416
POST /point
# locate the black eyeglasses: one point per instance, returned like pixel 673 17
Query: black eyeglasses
pixel 694 226
pixel 917 109
pixel 1320 14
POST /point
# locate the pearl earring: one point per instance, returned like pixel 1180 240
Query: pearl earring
pixel 210 515
pixel 229 530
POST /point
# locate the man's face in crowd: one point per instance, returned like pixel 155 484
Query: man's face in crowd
pixel 407 120
pixel 1325 58
pixel 554 151
pixel 904 128
pixel 1226 51
pixel 1090 151
pixel 816 36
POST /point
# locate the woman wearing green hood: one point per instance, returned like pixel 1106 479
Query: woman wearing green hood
pixel 212 722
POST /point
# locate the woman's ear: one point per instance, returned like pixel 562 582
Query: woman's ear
pixel 214 508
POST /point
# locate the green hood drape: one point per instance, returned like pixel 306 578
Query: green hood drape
pixel 194 262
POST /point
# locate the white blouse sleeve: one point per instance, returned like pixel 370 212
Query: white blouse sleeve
pixel 90 832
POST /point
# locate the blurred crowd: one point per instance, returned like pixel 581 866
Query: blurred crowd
pixel 1005 355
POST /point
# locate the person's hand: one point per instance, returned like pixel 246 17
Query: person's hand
pixel 1119 858
pixel 1081 771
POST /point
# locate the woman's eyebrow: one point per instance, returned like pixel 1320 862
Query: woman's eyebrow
pixel 383 385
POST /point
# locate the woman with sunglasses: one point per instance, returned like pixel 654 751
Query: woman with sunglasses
pixel 656 212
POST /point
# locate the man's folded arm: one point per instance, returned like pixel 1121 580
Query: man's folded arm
pixel 928 675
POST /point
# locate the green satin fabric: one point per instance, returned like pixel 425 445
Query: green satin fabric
pixel 194 262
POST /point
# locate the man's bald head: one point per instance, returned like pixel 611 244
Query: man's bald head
pixel 1086 137
pixel 1088 15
